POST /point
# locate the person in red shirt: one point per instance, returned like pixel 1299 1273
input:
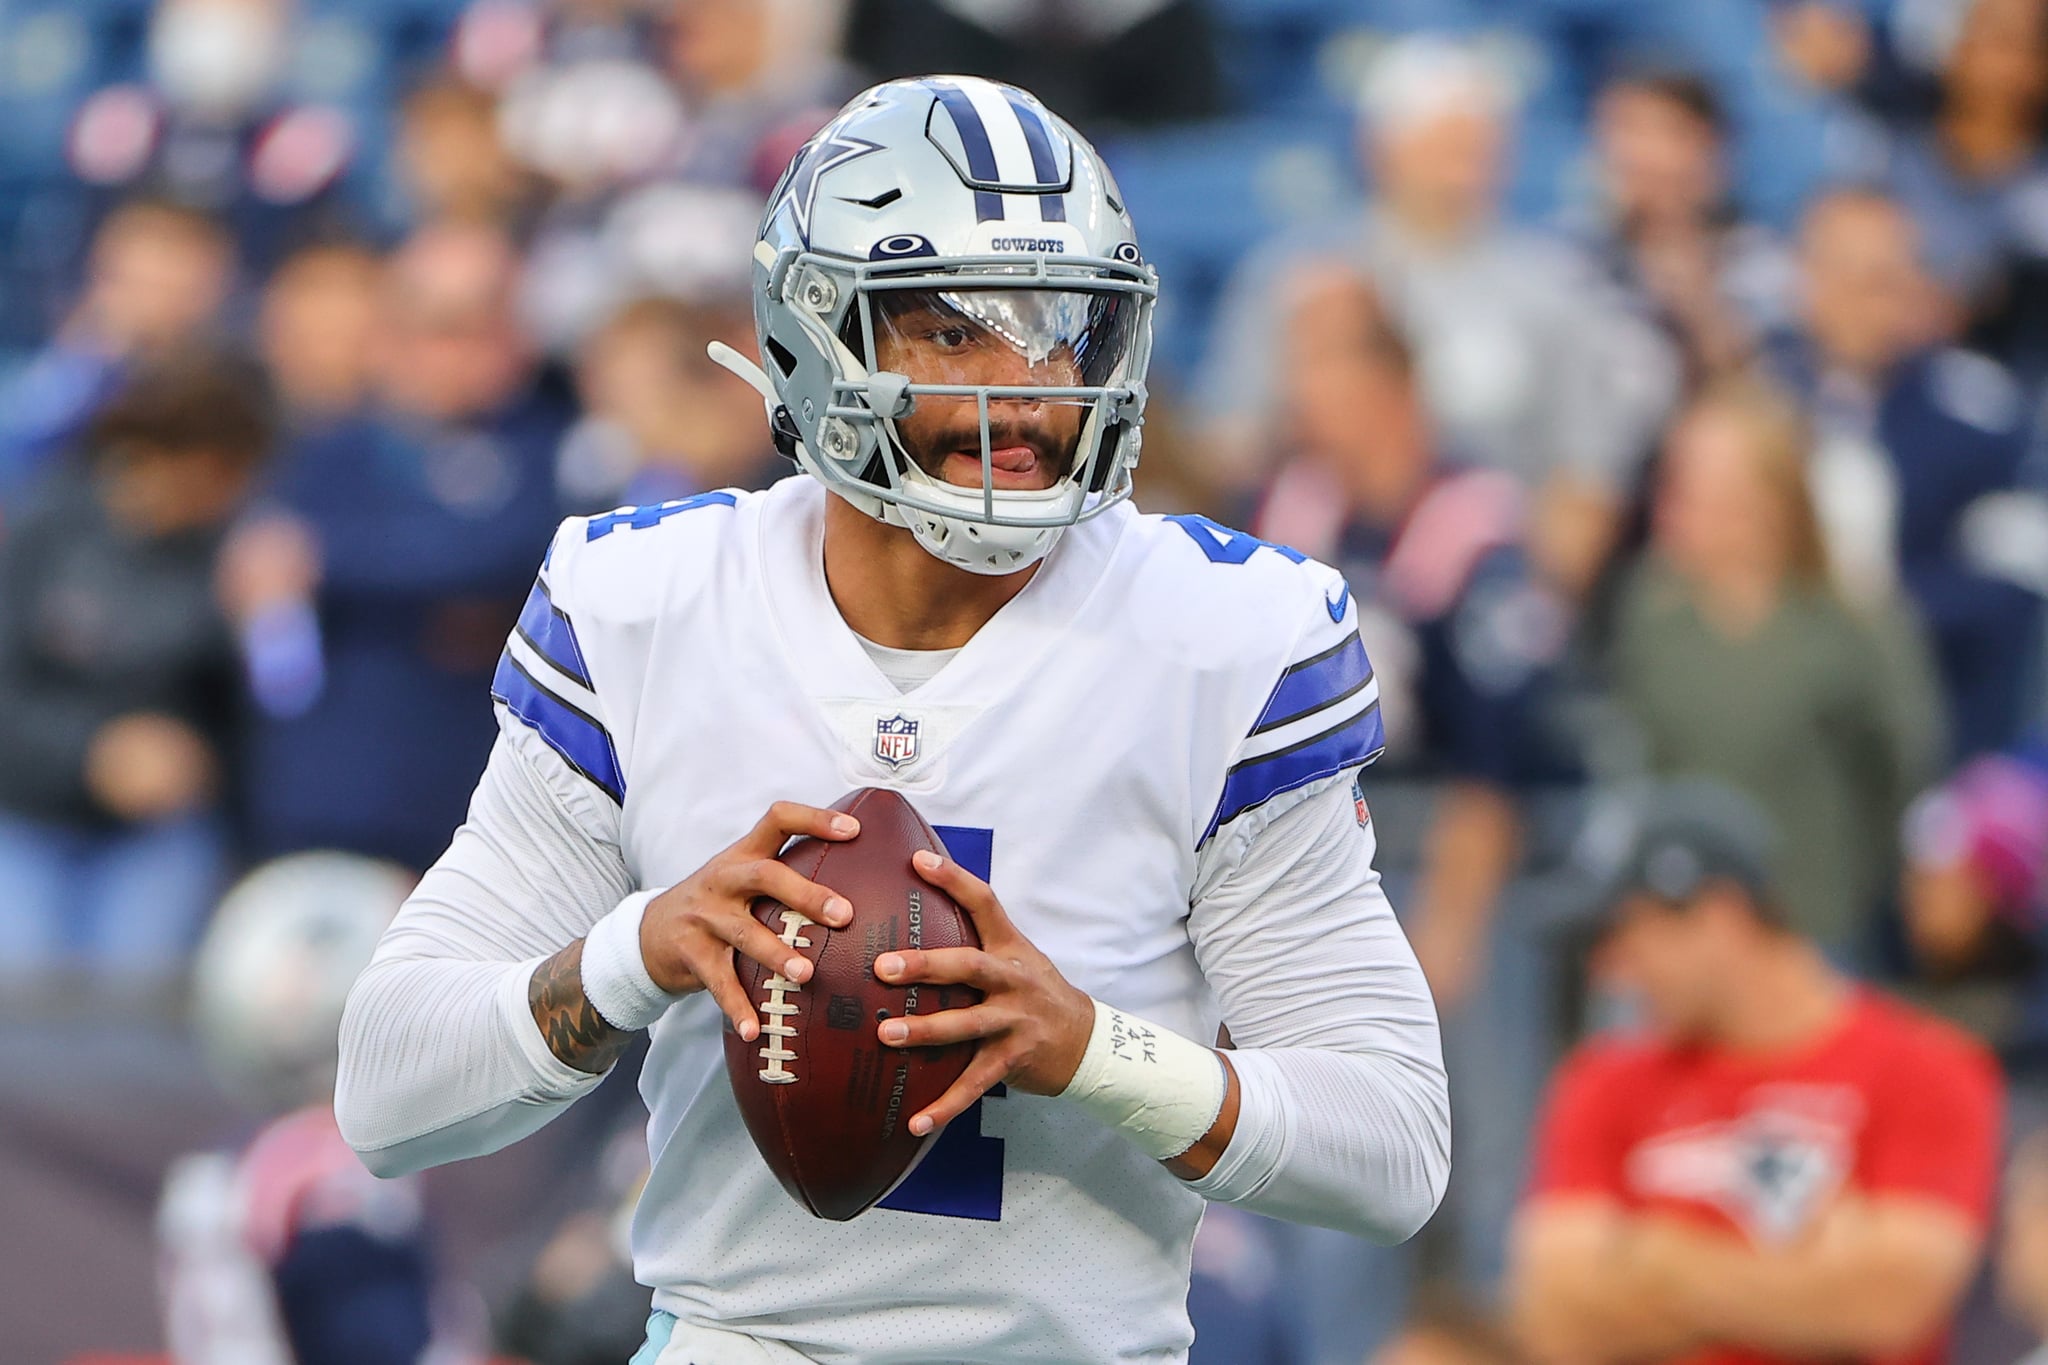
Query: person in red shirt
pixel 1789 1166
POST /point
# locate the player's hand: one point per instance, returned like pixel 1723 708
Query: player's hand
pixel 691 930
pixel 1033 1026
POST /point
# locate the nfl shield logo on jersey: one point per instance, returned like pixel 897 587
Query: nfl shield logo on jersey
pixel 896 740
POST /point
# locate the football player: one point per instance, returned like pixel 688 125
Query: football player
pixel 289 1252
pixel 1138 736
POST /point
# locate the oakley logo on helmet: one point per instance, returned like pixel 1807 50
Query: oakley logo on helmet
pixel 902 245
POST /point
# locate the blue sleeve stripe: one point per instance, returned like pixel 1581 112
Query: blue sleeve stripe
pixel 1355 740
pixel 1316 682
pixel 546 629
pixel 583 744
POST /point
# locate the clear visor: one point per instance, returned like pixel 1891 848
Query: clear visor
pixel 1038 338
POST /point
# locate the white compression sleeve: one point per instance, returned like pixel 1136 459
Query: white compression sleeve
pixel 1344 1111
pixel 440 1058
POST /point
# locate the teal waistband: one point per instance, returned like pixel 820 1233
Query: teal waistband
pixel 660 1327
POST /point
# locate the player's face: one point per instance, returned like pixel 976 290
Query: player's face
pixel 1011 338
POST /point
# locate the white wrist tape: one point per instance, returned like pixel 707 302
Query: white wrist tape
pixel 1159 1089
pixel 615 978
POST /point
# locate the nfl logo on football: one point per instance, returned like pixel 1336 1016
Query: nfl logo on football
pixel 896 740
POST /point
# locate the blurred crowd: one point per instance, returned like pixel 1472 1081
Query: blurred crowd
pixel 1666 376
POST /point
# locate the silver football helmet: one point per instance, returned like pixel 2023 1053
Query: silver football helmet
pixel 948 247
pixel 274 970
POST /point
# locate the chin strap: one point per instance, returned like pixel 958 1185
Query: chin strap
pixel 780 424
pixel 725 357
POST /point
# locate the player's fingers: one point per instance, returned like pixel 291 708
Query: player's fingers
pixel 723 984
pixel 750 938
pixel 968 891
pixel 947 1026
pixel 780 881
pixel 786 820
pixel 974 1082
pixel 944 967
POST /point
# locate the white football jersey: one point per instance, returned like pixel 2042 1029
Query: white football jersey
pixel 1157 679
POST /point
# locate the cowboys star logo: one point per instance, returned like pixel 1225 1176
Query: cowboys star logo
pixel 798 194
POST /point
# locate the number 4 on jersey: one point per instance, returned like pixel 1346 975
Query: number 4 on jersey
pixel 654 514
pixel 962 1175
pixel 1225 546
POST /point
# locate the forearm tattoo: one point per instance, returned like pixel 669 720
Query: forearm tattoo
pixel 575 1031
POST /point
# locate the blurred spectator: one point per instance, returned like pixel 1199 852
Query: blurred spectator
pixel 662 420
pixel 580 1304
pixel 1827 44
pixel 495 42
pixel 688 242
pixel 211 129
pixel 1667 229
pixel 1467 643
pixel 1976 899
pixel 1463 637
pixel 157 277
pixel 2023 1257
pixel 452 164
pixel 117 679
pixel 289 1250
pixel 1784 1166
pixel 1449 1334
pixel 585 102
pixel 758 77
pixel 1911 436
pixel 319 313
pixel 1132 62
pixel 1735 658
pixel 1239 1298
pixel 1528 363
pixel 1974 178
pixel 412 530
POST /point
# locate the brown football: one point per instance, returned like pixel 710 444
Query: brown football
pixel 827 1104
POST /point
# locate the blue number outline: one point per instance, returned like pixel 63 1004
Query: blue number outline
pixel 962 1175
pixel 1224 545
pixel 653 514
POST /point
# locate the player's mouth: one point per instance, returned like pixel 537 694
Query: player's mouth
pixel 1012 467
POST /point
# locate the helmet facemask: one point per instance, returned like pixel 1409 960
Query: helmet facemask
pixel 986 405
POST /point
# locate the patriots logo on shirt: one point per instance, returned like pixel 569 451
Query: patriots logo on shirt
pixel 1358 801
pixel 896 740
pixel 1771 1170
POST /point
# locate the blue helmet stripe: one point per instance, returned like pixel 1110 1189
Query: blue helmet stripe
pixel 981 157
pixel 1052 208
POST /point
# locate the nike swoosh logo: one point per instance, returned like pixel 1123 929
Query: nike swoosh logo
pixel 1338 604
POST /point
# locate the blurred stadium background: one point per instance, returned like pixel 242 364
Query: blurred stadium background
pixel 1667 375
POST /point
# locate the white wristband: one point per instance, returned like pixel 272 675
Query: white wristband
pixel 1159 1089
pixel 615 978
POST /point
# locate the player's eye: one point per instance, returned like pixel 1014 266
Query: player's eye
pixel 949 338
